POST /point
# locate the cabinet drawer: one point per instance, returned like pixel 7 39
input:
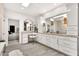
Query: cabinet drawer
pixel 25 35
pixel 70 39
pixel 69 42
pixel 72 45
pixel 51 39
pixel 67 45
pixel 25 40
pixel 68 51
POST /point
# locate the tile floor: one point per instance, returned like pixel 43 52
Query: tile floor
pixel 31 49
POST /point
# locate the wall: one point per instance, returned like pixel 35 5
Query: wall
pixel 1 20
pixel 78 32
pixel 78 20
pixel 72 19
pixel 17 16
pixel 40 27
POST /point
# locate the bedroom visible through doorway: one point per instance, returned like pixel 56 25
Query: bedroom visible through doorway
pixel 13 31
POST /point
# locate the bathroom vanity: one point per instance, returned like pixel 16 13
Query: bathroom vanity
pixel 54 36
pixel 67 44
pixel 63 43
pixel 27 37
pixel 59 32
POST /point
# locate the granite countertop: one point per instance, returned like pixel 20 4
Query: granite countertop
pixel 75 36
pixel 59 34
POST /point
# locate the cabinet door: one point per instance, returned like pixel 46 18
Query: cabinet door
pixel 24 38
pixel 41 38
pixel 52 41
pixel 44 39
pixel 38 37
pixel 68 45
pixel 25 35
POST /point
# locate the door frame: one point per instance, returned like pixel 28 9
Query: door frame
pixel 19 27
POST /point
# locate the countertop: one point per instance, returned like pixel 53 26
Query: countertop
pixel 59 34
pixel 65 35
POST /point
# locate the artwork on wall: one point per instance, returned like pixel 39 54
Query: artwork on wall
pixel 12 28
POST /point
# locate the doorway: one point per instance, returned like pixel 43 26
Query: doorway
pixel 13 31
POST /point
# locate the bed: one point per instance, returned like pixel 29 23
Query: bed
pixel 13 36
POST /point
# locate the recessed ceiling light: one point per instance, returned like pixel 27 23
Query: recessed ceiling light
pixel 25 4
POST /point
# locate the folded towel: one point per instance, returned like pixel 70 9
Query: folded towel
pixel 15 53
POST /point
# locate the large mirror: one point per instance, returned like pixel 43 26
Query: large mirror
pixel 57 24
pixel 29 26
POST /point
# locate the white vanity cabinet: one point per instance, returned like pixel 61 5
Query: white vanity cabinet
pixel 41 38
pixel 52 41
pixel 68 45
pixel 24 38
pixel 38 37
pixel 48 40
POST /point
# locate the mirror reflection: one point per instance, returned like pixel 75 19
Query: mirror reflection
pixel 56 24
pixel 29 26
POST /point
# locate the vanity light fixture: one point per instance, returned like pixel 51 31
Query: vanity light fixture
pixel 65 18
pixel 65 21
pixel 42 21
pixel 51 19
pixel 63 15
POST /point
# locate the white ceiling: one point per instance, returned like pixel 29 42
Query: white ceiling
pixel 33 9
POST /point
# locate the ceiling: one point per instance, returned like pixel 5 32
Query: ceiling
pixel 33 9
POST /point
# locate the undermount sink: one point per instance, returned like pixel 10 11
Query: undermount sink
pixel 32 36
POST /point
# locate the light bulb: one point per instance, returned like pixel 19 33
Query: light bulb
pixel 51 19
pixel 65 15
